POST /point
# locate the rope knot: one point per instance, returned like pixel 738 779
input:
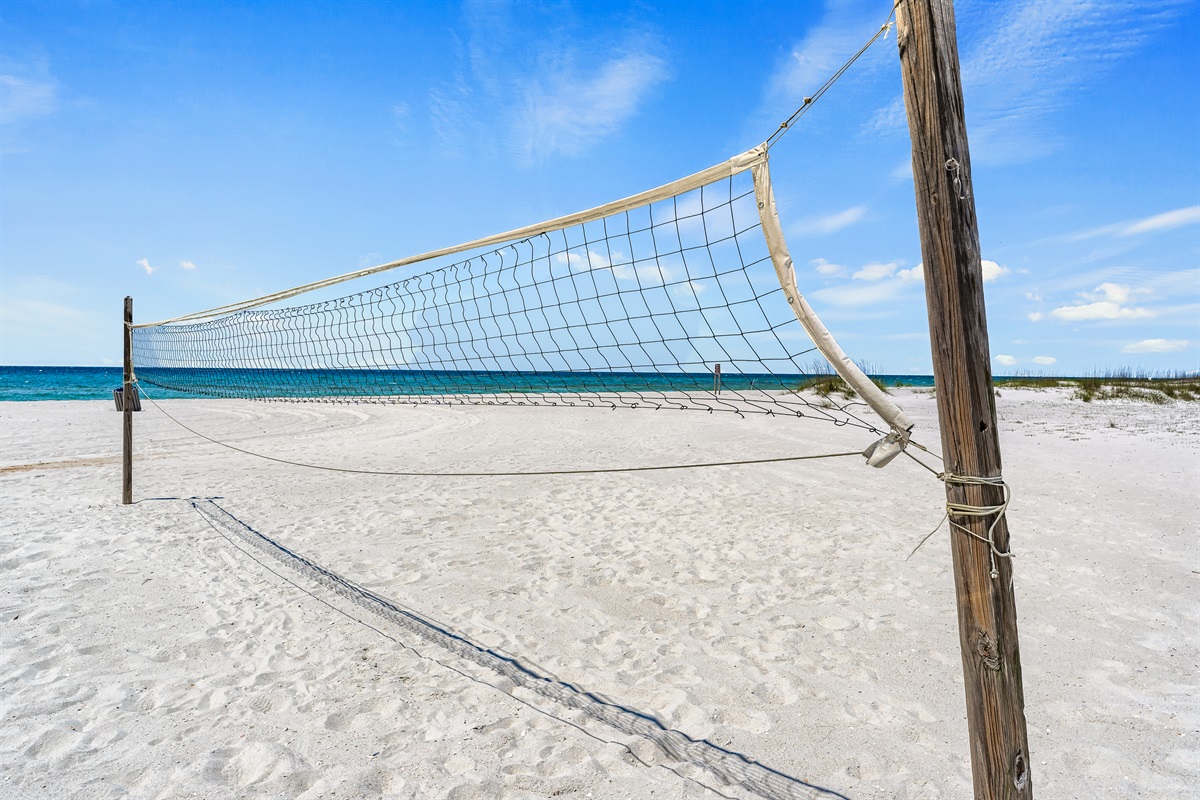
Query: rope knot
pixel 965 510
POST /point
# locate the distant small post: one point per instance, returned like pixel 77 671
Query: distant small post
pixel 127 410
pixel 716 379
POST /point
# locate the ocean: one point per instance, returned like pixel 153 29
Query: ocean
pixel 97 383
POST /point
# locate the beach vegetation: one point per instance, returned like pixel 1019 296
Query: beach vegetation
pixel 1121 384
pixel 827 386
pixel 826 383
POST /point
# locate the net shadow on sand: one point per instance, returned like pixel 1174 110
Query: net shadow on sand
pixel 731 768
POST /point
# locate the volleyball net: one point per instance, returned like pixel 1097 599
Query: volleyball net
pixel 682 297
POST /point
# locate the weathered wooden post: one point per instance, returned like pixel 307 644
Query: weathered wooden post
pixel 127 410
pixel 987 617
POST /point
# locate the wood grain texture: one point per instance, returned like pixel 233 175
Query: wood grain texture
pixel 966 403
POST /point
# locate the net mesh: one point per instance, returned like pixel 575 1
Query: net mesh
pixel 636 309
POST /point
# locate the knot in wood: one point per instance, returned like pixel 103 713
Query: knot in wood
pixel 985 648
pixel 1020 770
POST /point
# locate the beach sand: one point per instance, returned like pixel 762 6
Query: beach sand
pixel 253 629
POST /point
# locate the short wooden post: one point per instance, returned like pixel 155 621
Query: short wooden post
pixel 987 615
pixel 717 379
pixel 127 391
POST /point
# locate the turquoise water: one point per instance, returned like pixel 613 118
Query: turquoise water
pixel 97 383
pixel 61 383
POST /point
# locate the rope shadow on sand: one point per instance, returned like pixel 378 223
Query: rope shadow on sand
pixel 729 766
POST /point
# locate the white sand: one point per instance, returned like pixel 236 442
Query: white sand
pixel 155 650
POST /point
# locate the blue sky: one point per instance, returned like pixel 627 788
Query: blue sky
pixel 194 154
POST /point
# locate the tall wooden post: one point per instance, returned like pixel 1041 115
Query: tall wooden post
pixel 987 617
pixel 127 410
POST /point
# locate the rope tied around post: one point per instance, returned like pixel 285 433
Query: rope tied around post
pixel 966 510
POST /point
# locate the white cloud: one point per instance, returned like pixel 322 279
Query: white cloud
pixel 1103 309
pixel 877 271
pixel 1045 361
pixel 1155 346
pixel 688 288
pixel 858 295
pixel 187 264
pixel 592 260
pixel 902 171
pixel 1106 301
pixel 568 113
pixel 825 268
pixel 831 223
pixel 1006 360
pixel 652 273
pixel 1036 316
pixel 145 264
pixel 992 270
pixel 1112 292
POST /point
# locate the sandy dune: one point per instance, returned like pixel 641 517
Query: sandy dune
pixel 253 629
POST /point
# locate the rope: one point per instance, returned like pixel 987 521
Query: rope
pixel 953 167
pixel 785 126
pixel 596 471
pixel 966 510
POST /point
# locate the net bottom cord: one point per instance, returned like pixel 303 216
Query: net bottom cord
pixel 407 474
pixel 966 510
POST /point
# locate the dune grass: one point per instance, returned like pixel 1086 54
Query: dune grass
pixel 1123 384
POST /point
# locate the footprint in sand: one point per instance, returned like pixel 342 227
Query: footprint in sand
pixel 836 623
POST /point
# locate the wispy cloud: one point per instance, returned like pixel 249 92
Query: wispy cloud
pixel 1156 346
pixel 1168 220
pixel 1164 222
pixel 830 223
pixel 1031 55
pixel 567 111
pixel 1006 360
pixel 1023 60
pixel 27 93
pixel 145 264
pixel 825 47
pixel 859 295
pixel 22 99
pixel 188 265
pixel 561 97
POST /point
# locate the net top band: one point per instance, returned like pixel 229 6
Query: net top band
pixel 733 166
